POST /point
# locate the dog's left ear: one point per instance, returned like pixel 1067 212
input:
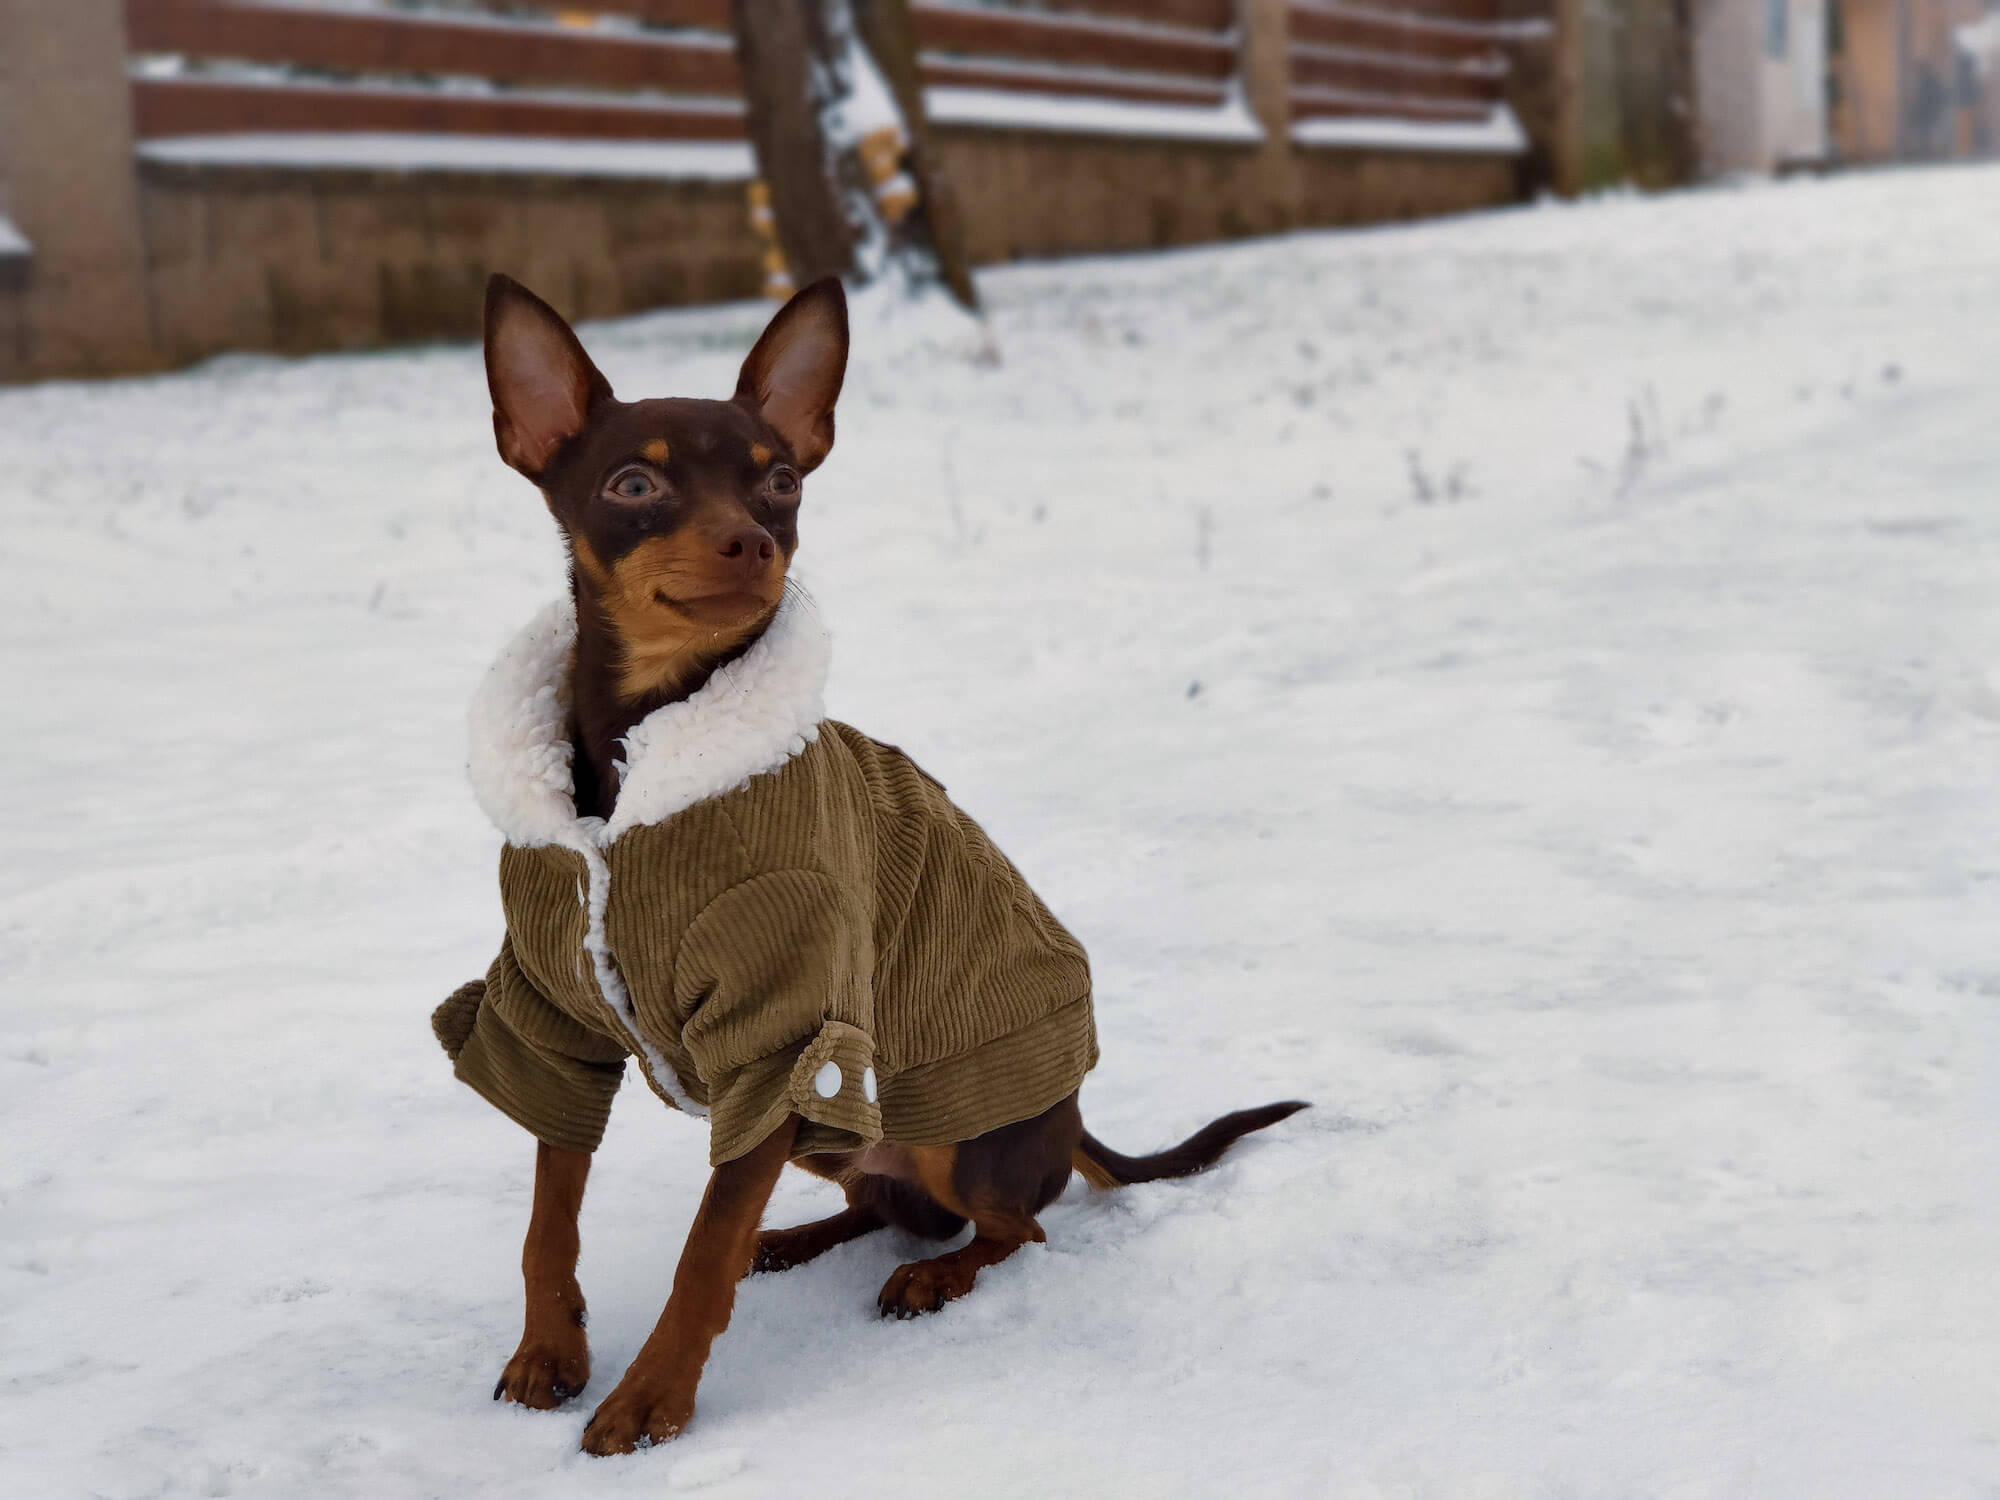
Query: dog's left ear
pixel 792 378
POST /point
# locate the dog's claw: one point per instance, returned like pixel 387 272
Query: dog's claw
pixel 914 1291
pixel 627 1422
pixel 774 1253
pixel 542 1377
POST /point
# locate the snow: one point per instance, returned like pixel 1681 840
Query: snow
pixel 863 103
pixel 1529 684
pixel 1003 109
pixel 1980 42
pixel 720 161
pixel 853 102
pixel 1499 133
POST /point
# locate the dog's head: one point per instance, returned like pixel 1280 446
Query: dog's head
pixel 681 515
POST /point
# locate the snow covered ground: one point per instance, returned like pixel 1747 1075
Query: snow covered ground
pixel 1529 684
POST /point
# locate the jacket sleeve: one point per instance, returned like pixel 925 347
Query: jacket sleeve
pixel 536 1065
pixel 774 977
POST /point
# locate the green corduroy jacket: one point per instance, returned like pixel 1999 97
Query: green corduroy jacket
pixel 780 916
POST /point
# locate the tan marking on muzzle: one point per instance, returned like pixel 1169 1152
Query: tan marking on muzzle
pixel 661 645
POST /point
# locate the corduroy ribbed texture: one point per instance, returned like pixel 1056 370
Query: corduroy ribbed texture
pixel 831 926
pixel 538 1066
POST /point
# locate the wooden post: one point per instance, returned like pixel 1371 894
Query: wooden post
pixel 1566 156
pixel 835 111
pixel 1265 29
pixel 72 187
pixel 1634 114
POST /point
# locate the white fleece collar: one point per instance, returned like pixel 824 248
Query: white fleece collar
pixel 751 717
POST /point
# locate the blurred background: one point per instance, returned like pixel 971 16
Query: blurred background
pixel 1509 657
pixel 184 177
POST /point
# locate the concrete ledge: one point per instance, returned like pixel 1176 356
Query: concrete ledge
pixel 1500 134
pixel 1000 109
pixel 1357 185
pixel 1026 193
pixel 709 161
pixel 295 258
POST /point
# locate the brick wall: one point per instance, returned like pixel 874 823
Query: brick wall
pixel 301 259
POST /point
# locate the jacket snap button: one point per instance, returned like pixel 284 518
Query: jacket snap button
pixel 826 1082
pixel 868 1084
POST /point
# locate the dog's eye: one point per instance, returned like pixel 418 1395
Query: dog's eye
pixel 633 484
pixel 784 483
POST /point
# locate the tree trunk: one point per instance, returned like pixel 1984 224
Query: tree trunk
pixel 835 112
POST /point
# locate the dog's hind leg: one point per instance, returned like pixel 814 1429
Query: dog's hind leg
pixel 924 1286
pixel 553 1362
pixel 875 1201
pixel 782 1249
pixel 999 1181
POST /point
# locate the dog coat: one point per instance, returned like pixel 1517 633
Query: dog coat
pixel 780 916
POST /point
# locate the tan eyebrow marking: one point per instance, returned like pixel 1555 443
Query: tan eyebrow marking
pixel 655 451
pixel 759 454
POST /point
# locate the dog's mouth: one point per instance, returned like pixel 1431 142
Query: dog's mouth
pixel 721 606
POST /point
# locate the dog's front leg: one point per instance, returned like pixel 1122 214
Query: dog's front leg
pixel 553 1362
pixel 656 1398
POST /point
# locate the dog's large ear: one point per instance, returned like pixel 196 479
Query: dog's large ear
pixel 792 378
pixel 543 384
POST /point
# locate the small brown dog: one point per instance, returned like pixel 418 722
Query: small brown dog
pixel 788 924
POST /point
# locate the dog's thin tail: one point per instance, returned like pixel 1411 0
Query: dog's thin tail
pixel 1104 1168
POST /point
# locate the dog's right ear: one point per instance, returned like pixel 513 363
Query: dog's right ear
pixel 793 376
pixel 543 384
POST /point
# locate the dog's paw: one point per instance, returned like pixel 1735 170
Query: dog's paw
pixel 543 1376
pixel 630 1419
pixel 921 1287
pixel 780 1250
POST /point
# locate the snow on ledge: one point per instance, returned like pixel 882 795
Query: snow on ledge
pixel 1499 134
pixel 711 161
pixel 13 244
pixel 1230 121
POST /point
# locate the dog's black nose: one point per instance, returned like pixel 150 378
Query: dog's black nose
pixel 748 546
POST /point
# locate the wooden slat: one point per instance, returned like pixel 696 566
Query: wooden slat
pixel 1204 15
pixel 1478 12
pixel 1379 28
pixel 711 15
pixel 1475 60
pixel 952 72
pixel 1387 74
pixel 182 106
pixel 1486 11
pixel 1321 104
pixel 1020 34
pixel 386 42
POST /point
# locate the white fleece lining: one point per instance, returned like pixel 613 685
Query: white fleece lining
pixel 749 718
